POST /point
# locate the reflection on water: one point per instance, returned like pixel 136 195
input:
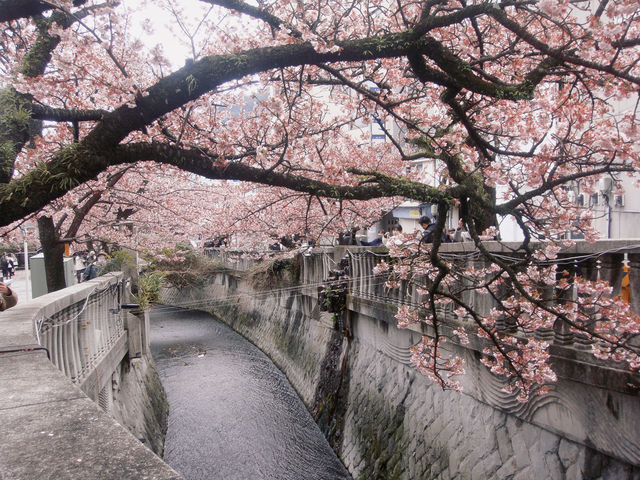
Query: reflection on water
pixel 233 414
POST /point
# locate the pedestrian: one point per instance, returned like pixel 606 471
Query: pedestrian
pixel 5 265
pixel 101 259
pixel 429 227
pixel 375 242
pixel 91 271
pixel 78 265
pixel 277 245
pixel 462 234
pixel 12 266
pixel 8 298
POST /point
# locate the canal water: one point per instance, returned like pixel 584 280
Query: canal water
pixel 232 413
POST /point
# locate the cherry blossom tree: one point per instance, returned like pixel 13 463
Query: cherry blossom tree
pixel 515 100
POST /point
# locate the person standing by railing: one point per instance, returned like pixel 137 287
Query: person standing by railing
pixel 8 298
pixel 91 271
pixel 78 265
pixel 462 234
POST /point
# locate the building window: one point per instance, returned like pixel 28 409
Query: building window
pixel 619 201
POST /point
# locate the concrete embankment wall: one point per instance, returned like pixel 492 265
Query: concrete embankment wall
pixel 385 420
pixel 139 402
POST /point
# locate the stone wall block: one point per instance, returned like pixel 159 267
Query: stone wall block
pixel 521 451
pixel 508 469
pixel 567 452
pixel 544 464
pixel 504 444
pixel 547 442
pixel 574 472
pixel 487 467
pixel 524 474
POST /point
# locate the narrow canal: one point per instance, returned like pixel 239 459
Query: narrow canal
pixel 233 414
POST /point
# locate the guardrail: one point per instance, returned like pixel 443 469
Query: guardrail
pixel 615 261
pixel 79 335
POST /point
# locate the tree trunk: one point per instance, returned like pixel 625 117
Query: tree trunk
pixel 53 254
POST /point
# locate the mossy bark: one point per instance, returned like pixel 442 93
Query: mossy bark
pixel 15 129
pixel 53 252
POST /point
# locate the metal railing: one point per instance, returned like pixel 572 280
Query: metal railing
pixel 617 262
pixel 79 334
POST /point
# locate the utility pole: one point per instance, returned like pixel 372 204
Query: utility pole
pixel 27 278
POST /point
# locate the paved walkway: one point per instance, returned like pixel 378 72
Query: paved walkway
pixel 19 285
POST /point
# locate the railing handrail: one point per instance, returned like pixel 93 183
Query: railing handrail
pixel 18 324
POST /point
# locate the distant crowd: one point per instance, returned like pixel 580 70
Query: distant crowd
pixel 428 225
pixel 87 265
pixel 349 237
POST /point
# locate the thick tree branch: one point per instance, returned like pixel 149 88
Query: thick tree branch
pixel 16 9
pixel 42 112
pixel 16 125
pixel 74 165
pixel 90 202
pixel 199 78
pixel 195 161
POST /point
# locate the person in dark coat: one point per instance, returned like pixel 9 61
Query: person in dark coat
pixel 5 266
pixel 377 241
pixel 429 227
pixel 91 271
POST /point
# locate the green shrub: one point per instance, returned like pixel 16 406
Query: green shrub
pixel 285 271
pixel 120 261
pixel 184 267
pixel 149 286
